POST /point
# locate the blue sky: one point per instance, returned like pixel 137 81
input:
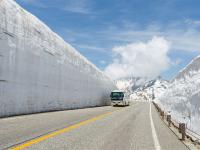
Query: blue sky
pixel 98 28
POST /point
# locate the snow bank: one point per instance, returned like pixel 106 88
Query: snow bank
pixel 39 71
pixel 182 98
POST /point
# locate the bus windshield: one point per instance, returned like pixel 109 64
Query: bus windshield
pixel 117 94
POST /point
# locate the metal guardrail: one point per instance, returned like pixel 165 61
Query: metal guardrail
pixel 195 137
pixel 186 132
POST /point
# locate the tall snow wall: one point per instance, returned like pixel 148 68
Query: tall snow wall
pixel 39 71
pixel 182 97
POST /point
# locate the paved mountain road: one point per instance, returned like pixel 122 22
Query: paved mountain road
pixel 137 127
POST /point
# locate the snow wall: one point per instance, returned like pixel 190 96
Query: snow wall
pixel 182 97
pixel 39 71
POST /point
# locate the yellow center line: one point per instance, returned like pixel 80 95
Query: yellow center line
pixel 55 133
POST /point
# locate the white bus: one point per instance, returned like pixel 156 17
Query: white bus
pixel 119 98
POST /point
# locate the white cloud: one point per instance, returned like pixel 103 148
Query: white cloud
pixel 183 36
pixel 143 59
pixel 78 6
pixel 93 48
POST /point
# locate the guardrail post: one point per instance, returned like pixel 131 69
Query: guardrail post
pixel 162 114
pixel 169 120
pixel 182 130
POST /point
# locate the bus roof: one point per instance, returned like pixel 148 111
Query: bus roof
pixel 121 91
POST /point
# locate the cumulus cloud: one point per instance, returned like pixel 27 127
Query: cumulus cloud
pixel 141 59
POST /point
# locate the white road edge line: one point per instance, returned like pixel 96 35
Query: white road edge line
pixel 154 135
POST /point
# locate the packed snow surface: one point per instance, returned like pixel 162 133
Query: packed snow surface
pixel 39 71
pixel 182 97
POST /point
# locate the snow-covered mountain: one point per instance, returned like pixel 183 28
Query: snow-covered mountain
pixel 182 97
pixel 130 84
pixel 142 88
pixel 152 89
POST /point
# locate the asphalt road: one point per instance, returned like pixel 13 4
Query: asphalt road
pixel 136 127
